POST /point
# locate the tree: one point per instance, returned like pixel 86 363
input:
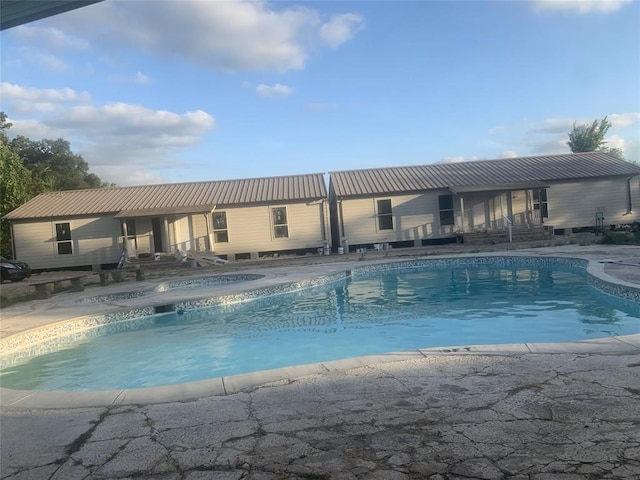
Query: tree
pixel 15 189
pixel 53 161
pixel 588 138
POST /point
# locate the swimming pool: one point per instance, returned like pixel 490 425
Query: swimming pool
pixel 394 307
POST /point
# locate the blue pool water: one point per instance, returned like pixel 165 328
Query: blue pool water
pixel 368 314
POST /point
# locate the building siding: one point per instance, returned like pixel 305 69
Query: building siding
pixel 575 204
pixel 95 240
pixel 415 217
pixel 250 229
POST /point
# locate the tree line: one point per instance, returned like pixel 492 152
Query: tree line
pixel 30 167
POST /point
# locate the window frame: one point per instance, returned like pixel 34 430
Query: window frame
pixel 220 231
pixel 279 226
pixel 384 216
pixel 64 240
pixel 540 201
pixel 446 216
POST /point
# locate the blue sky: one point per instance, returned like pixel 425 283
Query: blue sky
pixel 177 91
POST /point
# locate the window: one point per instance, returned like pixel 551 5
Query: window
pixel 445 205
pixel 220 232
pixel 385 217
pixel 280 227
pixel 63 238
pixel 540 202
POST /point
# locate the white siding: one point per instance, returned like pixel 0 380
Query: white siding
pixel 250 229
pixel 415 217
pixel 94 241
pixel 575 204
pixel 199 221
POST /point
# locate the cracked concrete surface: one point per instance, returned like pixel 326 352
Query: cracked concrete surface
pixel 523 416
pixel 535 412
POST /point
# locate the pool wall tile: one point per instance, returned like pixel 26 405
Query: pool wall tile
pixel 51 337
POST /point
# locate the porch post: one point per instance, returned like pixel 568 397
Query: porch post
pixel 166 242
pixel 461 226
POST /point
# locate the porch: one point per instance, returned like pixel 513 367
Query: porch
pixel 501 213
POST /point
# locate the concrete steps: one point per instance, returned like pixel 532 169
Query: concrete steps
pixel 502 236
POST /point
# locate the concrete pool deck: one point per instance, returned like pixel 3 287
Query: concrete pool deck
pixel 529 411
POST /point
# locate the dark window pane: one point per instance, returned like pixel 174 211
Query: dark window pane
pixel 543 195
pixel 220 221
pixel 545 212
pixel 63 232
pixel 221 236
pixel 279 216
pixel 384 207
pixel 281 231
pixel 445 202
pixel 64 248
pixel 446 217
pixel 131 228
pixel 385 222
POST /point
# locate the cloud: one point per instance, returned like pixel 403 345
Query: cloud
pixel 114 137
pixel 53 38
pixel 553 125
pixel 509 154
pixel 457 159
pixel 13 92
pixel 276 90
pixel 623 119
pixel 138 79
pixel 341 28
pixel 494 130
pixel 230 36
pixel 552 134
pixel 581 6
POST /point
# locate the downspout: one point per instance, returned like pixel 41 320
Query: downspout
pixel 629 202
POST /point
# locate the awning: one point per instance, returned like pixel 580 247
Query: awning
pixel 157 212
pixel 499 187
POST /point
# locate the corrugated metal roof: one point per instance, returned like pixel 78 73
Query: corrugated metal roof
pixel 173 197
pixel 478 173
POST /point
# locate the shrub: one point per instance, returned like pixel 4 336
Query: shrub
pixel 619 238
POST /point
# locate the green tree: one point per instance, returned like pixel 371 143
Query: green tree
pixel 15 189
pixel 589 138
pixel 53 161
pixel 4 125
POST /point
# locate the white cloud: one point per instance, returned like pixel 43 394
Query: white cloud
pixel 457 159
pixel 581 6
pixel 113 138
pixel 623 119
pixel 509 154
pixel 552 134
pixel 231 36
pixel 276 90
pixel 341 28
pixel 53 38
pixel 12 92
pixel 138 78
pixel 497 129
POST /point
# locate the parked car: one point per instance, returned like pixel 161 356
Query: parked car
pixel 14 270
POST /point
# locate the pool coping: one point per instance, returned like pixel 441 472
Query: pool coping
pixel 615 345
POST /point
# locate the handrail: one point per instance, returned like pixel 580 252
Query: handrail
pixel 510 228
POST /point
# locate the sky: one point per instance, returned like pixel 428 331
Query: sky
pixel 178 91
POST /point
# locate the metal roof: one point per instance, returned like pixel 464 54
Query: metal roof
pixel 18 12
pixel 172 198
pixel 479 173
